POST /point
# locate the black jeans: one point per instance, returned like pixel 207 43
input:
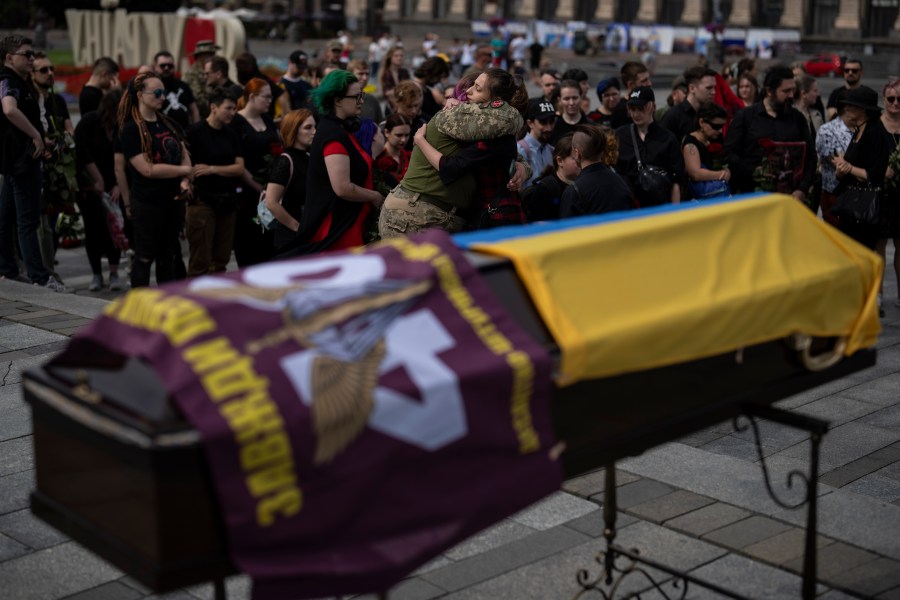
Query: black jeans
pixel 97 241
pixel 157 225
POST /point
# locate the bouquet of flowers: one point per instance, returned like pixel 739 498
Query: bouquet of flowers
pixel 781 167
pixel 894 164
pixel 60 182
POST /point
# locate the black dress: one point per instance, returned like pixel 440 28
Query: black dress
pixel 870 152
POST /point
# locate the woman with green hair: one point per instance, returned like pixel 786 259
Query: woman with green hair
pixel 339 192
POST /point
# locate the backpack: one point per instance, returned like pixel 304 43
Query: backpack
pixel 263 214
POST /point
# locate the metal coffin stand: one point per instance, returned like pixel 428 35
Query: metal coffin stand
pixel 120 471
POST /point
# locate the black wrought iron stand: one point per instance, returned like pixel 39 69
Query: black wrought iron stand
pixel 612 575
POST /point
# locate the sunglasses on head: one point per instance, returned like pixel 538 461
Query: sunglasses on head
pixel 45 70
pixel 891 99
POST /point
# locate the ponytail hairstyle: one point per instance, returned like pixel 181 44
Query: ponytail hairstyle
pixel 395 120
pixel 503 85
pixel 561 151
pixel 129 111
pixel 254 86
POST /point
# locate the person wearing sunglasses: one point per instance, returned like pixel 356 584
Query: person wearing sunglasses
pixel 853 72
pixel 339 185
pixel 890 118
pixel 58 127
pixel 704 161
pixel 180 104
pixel 21 147
pixel 160 174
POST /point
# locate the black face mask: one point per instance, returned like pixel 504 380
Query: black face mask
pixel 351 125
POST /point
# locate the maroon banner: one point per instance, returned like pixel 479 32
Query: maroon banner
pixel 362 411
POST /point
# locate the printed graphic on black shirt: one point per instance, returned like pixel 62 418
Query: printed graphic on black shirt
pixel 781 169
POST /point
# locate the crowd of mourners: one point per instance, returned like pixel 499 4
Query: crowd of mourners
pixel 343 151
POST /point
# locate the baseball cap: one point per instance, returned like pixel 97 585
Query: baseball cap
pixel 641 96
pixel 335 45
pixel 538 108
pixel 299 57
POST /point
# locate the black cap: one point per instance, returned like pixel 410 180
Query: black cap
pixel 640 96
pixel 298 57
pixel 538 108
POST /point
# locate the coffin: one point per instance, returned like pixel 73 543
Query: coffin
pixel 120 470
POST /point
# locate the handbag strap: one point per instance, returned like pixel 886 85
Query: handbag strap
pixel 637 152
pixel 290 176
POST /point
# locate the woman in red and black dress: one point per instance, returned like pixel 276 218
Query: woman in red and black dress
pixel 339 192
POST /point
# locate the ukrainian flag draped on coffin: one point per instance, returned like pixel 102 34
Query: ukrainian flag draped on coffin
pixel 633 291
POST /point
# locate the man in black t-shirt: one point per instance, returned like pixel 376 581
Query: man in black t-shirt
pixel 180 104
pixel 104 77
pixel 22 139
pixel 218 166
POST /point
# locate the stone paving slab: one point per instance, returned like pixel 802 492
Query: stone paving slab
pixel 16 488
pixel 16 417
pixel 871 578
pixel 638 492
pixel 501 560
pixel 551 577
pixel 24 527
pixel 19 366
pixel 21 336
pixel 16 455
pixel 834 559
pixel 28 574
pixel 881 391
pixel 838 410
pixel 852 471
pixel 594 482
pixel 749 578
pixel 74 304
pixel 504 532
pixel 670 506
pixel 856 519
pixel 708 518
pixel 876 486
pixel 29 316
pixel 746 532
pixel 784 547
pixel 113 590
pixel 729 445
pixel 592 523
pixel 10 548
pixel 845 444
pixel 553 510
pixel 677 465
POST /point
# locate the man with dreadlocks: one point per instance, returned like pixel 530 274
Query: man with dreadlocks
pixel 160 174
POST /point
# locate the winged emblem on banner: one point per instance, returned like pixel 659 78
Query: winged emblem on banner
pixel 345 327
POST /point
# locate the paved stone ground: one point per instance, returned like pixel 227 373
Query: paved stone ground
pixel 698 504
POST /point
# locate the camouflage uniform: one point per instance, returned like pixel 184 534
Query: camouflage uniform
pixel 196 80
pixel 422 201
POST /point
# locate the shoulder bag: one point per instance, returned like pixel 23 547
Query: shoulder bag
pixel 653 182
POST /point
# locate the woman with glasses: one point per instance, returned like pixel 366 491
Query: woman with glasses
pixel 160 174
pixel 339 183
pixel 891 196
pixel 394 159
pixel 260 143
pixel 704 161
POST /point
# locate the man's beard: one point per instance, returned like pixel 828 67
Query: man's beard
pixel 545 137
pixel 779 107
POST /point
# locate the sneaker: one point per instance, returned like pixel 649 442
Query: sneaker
pixel 96 283
pixel 53 285
pixel 114 283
